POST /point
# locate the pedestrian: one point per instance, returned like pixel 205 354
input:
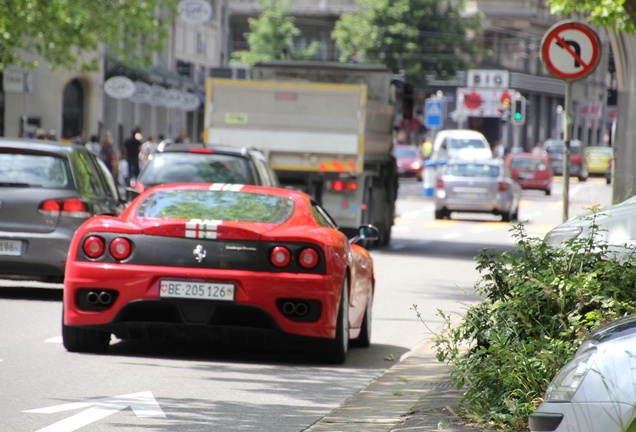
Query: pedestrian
pixel 427 148
pixel 132 147
pixel 79 139
pixel 182 138
pixel 538 149
pixel 147 150
pixel 499 150
pixel 94 146
pixel 109 153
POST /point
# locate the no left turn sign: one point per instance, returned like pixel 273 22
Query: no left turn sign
pixel 571 50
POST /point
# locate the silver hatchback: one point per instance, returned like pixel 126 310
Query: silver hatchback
pixel 47 190
pixel 477 186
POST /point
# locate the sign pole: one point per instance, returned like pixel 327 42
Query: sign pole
pixel 571 51
pixel 566 153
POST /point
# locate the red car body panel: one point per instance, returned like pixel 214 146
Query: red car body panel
pixel 531 177
pixel 260 289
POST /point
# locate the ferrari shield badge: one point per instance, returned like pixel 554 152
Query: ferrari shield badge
pixel 199 253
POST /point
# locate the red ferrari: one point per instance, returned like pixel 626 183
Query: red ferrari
pixel 233 263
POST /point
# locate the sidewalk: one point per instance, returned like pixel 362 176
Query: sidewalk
pixel 414 395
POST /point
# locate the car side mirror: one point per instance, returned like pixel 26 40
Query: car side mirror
pixel 366 232
pixel 131 194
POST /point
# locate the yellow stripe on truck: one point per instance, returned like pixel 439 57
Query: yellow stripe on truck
pixel 285 85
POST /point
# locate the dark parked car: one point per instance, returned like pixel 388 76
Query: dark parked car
pixel 578 165
pixel 196 163
pixel 47 190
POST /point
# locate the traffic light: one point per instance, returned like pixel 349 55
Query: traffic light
pixel 519 111
pixel 407 101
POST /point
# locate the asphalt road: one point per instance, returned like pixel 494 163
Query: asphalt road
pixel 195 387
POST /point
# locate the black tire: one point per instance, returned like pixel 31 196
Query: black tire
pixel 364 339
pixel 506 217
pixel 77 339
pixel 334 351
pixel 515 215
pixel 548 192
pixel 386 239
pixel 439 214
pixel 582 179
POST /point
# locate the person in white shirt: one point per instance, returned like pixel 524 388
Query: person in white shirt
pixel 147 150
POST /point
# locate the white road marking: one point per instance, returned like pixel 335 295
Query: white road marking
pixel 481 229
pixel 143 404
pixel 400 228
pixel 451 235
pixel 411 214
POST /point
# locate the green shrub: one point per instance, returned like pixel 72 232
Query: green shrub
pixel 539 303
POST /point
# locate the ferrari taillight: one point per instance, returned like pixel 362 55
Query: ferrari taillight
pixel 69 207
pixel 280 256
pixel 308 258
pixel 94 247
pixel 120 248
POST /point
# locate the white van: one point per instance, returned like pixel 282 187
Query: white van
pixel 460 144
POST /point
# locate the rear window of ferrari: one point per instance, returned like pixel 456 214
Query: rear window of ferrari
pixel 33 170
pixel 217 205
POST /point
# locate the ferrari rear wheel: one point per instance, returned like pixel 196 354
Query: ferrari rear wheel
pixel 364 340
pixel 83 340
pixel 334 351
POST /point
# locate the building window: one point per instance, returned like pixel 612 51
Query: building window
pixel 73 109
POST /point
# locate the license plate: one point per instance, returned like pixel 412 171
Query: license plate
pixel 196 290
pixel 470 196
pixel 11 247
pixel 526 175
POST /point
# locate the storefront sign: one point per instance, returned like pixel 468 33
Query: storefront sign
pixel 194 11
pixel 142 94
pixel 190 102
pixel 174 99
pixel 158 96
pixel 482 102
pixel 119 87
pixel 17 82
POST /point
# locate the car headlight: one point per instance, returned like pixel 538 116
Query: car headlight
pixel 569 378
pixel 416 165
pixel 562 234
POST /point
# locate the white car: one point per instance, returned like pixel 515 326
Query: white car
pixel 617 226
pixel 460 144
pixel 596 390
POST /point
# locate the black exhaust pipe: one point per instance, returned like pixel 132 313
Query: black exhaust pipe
pixel 92 298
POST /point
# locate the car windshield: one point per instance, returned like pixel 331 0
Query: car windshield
pixel 217 205
pixel 527 163
pixel 466 143
pixel 33 170
pixel 182 167
pixel 473 170
pixel 405 152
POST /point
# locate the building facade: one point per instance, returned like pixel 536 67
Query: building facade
pixel 71 102
pixel 511 36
